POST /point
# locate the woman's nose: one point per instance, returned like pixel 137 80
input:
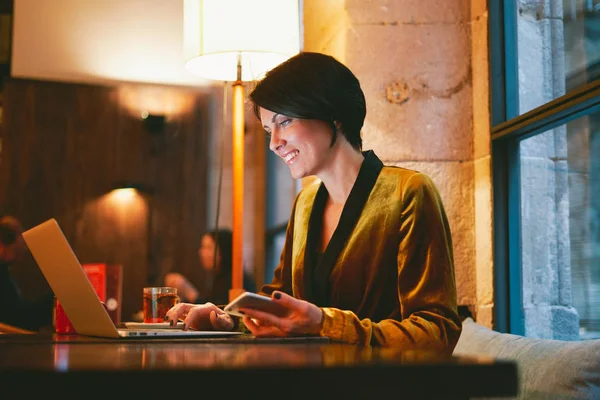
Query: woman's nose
pixel 276 141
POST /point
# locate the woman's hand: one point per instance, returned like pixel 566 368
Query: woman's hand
pixel 200 317
pixel 303 318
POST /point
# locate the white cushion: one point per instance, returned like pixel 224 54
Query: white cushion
pixel 548 369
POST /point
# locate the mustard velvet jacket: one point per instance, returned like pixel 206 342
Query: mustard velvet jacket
pixel 386 277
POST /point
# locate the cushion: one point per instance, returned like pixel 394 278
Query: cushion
pixel 548 369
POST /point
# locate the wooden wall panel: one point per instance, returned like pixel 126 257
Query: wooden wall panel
pixel 65 146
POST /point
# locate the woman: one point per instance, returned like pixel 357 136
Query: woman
pixel 218 271
pixel 368 254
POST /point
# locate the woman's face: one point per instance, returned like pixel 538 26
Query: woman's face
pixel 304 144
pixel 206 252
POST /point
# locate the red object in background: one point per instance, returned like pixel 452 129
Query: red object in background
pixel 97 275
pixel 61 321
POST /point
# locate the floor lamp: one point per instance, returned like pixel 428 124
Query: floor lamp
pixel 237 41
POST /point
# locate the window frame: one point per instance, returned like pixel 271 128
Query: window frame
pixel 507 130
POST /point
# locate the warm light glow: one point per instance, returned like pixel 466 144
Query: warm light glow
pixel 265 32
pixel 158 100
pixel 127 203
pixel 125 207
pixel 125 195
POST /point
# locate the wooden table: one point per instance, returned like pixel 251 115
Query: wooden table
pixel 307 368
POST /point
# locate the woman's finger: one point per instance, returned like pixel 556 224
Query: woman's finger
pixel 250 324
pixel 198 317
pixel 177 311
pixel 259 330
pixel 286 300
pixel 263 317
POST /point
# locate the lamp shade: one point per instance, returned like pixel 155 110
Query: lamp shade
pixel 263 33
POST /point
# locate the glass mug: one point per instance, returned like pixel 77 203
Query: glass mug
pixel 157 301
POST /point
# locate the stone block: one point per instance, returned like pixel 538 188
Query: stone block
pixel 484 256
pixel 539 146
pixel 538 231
pixel 538 321
pixel 439 108
pixel 565 323
pixel 551 322
pixel 541 67
pixel 533 66
pixel 485 315
pixel 555 51
pixel 541 9
pixel 561 151
pixel 454 181
pixel 479 10
pixel 433 59
pixel 481 87
pixel 421 130
pixel 563 235
pixel 388 12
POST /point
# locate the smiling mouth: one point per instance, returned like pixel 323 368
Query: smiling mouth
pixel 291 156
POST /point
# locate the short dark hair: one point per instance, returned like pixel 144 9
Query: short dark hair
pixel 314 86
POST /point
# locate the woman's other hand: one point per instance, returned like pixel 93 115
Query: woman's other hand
pixel 303 318
pixel 200 317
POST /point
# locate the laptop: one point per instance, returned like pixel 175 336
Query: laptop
pixel 70 285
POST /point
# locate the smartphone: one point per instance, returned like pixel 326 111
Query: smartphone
pixel 256 302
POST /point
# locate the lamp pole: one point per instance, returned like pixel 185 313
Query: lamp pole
pixel 237 273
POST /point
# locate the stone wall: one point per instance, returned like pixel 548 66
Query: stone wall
pixel 484 257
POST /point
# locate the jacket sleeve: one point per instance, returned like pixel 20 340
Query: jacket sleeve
pixel 426 284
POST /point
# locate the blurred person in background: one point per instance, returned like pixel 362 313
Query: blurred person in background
pixel 217 271
pixel 15 309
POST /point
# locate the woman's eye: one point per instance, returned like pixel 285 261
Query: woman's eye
pixel 285 122
pixel 268 134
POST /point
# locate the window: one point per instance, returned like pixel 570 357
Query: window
pixel 545 89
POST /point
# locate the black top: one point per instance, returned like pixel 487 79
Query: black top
pixel 318 267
